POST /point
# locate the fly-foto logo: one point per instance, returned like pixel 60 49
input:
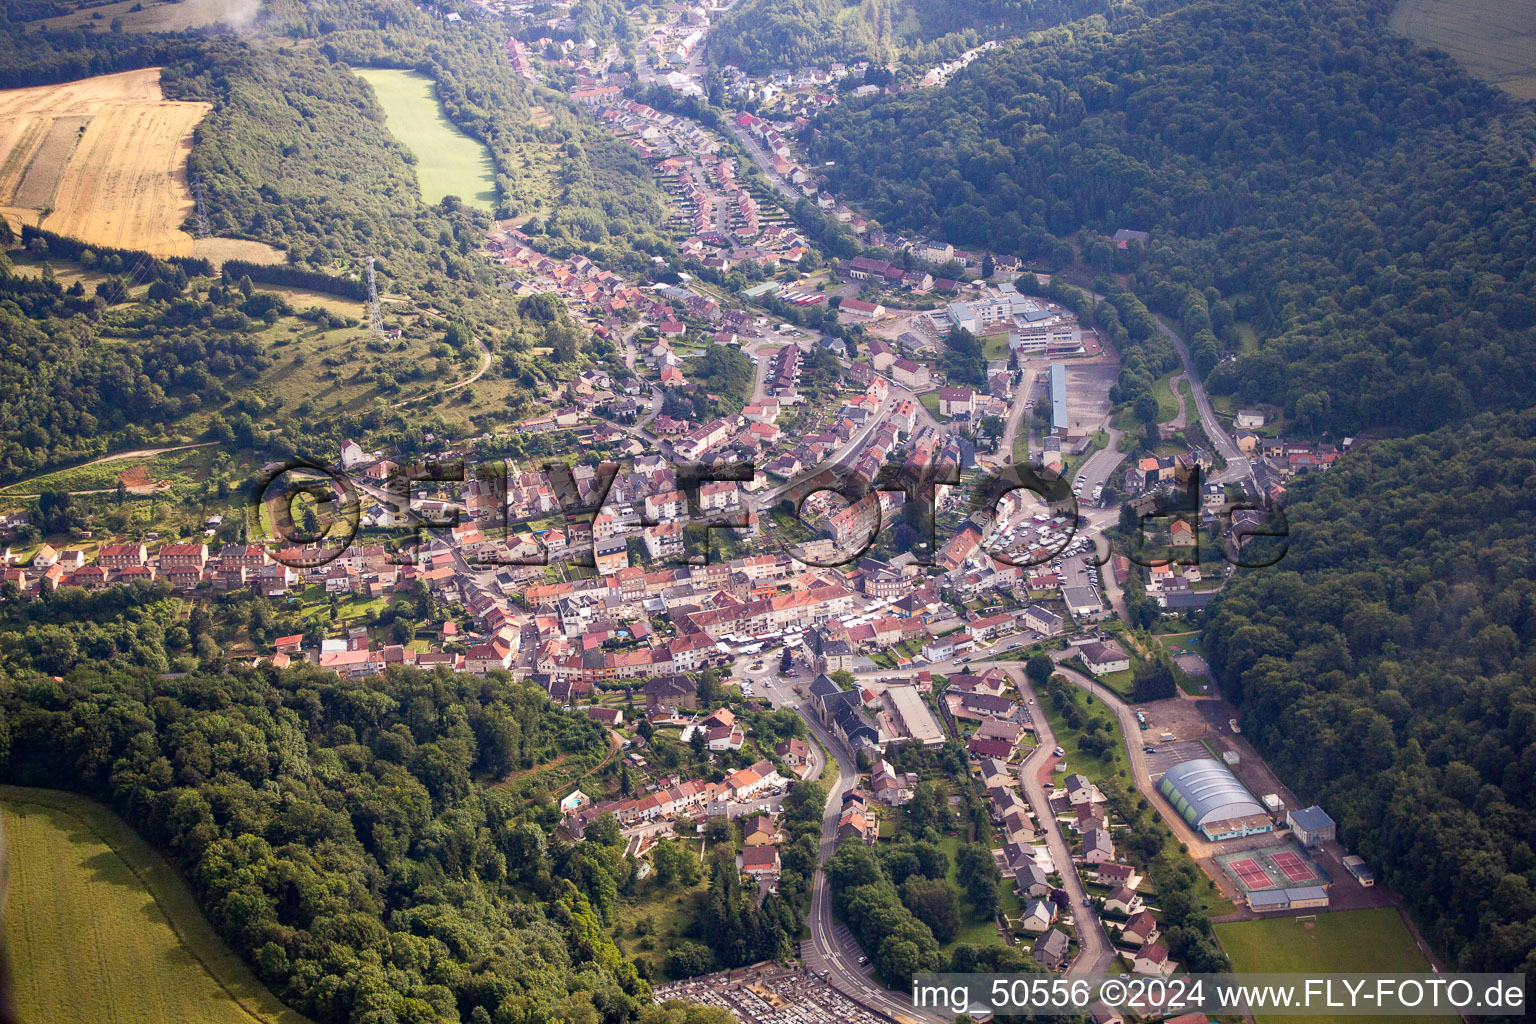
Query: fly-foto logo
pixel 307 514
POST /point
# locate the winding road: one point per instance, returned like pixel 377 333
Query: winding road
pixel 828 951
pixel 485 364
pixel 1238 466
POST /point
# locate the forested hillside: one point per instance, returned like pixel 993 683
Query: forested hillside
pixel 336 834
pixel 1370 210
pixel 295 153
pixel 1368 207
pixel 1387 668
pixel 763 35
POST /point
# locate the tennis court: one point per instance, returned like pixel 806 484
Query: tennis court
pixel 1295 867
pixel 1250 873
pixel 1281 866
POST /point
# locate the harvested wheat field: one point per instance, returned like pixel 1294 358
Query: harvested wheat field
pixel 103 159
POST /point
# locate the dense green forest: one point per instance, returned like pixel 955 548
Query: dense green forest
pixel 1387 669
pixel 1367 206
pixel 295 153
pixel 338 836
pixel 68 394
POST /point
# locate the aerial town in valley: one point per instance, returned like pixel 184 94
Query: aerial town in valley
pixel 848 553
pixel 945 364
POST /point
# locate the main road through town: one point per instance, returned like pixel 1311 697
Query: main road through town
pixel 830 950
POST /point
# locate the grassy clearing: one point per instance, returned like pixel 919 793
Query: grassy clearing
pixel 1247 337
pixel 303 298
pixel 448 162
pixel 102 928
pixel 1021 445
pixel 1353 941
pixel 344 369
pixel 1493 39
pixel 187 465
pixel 1070 739
pixel 995 346
pixel 1122 683
pixel 664 916
pixel 976 929
pixel 1167 404
pixel 217 250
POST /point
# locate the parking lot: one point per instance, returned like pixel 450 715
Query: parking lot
pixel 1088 401
pixel 769 994
pixel 1164 756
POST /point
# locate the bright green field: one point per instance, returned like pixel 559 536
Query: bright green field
pixel 448 162
pixel 1348 941
pixel 102 929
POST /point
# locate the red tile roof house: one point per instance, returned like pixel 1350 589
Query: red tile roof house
pixel 983 748
pixel 181 555
pixel 1142 927
pixel 121 556
pixel 1153 959
pixel 760 861
pixel 606 716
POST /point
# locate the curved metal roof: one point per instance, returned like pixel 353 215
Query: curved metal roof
pixel 1205 790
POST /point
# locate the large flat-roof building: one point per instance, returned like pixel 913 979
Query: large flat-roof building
pixel 1059 399
pixel 1269 901
pixel 1209 797
pixel 906 707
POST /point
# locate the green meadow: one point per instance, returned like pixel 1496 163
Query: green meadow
pixel 448 162
pixel 102 928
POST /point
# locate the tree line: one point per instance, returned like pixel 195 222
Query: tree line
pixel 1385 669
pixel 340 834
pixel 1363 205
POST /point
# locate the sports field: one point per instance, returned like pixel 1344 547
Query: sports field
pixel 102 929
pixel 1493 39
pixel 448 162
pixel 1348 941
pixel 102 159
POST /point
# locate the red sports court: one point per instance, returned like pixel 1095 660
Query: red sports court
pixel 1296 869
pixel 1250 873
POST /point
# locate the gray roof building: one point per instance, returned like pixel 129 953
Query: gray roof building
pixel 1205 790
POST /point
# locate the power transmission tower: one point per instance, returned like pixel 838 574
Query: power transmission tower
pixel 202 210
pixel 375 318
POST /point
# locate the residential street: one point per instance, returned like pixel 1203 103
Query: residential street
pixel 1096 952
